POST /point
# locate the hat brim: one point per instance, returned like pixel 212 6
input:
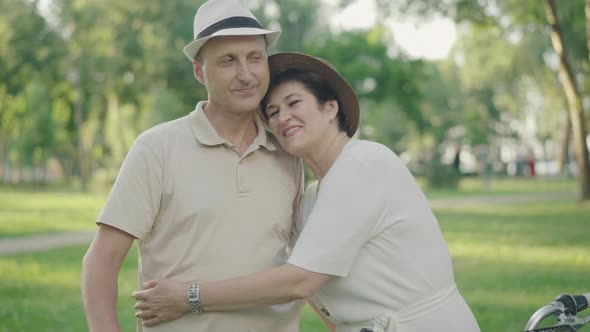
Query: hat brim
pixel 281 62
pixel 193 48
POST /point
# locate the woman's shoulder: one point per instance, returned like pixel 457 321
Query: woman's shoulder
pixel 368 152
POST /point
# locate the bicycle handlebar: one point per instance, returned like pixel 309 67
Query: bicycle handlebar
pixel 564 308
pixel 574 303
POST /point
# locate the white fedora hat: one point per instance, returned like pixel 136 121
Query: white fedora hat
pixel 225 18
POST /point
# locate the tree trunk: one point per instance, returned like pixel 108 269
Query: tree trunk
pixel 564 139
pixel 573 99
pixel 113 106
pixel 587 11
pixel 83 161
pixel 3 159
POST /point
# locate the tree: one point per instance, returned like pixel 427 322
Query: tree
pixel 573 99
pixel 30 52
pixel 296 19
pixel 525 17
pixel 363 58
pixel 120 54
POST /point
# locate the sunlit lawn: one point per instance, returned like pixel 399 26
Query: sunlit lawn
pixel 509 259
pixel 474 185
pixel 25 212
pixel 40 292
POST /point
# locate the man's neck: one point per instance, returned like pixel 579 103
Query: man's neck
pixel 239 129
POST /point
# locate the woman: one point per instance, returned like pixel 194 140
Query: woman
pixel 370 255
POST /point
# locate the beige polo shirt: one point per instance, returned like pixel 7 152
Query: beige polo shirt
pixel 202 212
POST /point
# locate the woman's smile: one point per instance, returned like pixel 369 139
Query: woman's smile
pixel 291 131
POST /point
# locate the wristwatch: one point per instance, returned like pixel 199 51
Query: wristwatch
pixel 194 298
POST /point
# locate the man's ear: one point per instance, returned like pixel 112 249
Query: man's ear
pixel 198 70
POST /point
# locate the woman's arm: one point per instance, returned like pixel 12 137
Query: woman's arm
pixel 166 300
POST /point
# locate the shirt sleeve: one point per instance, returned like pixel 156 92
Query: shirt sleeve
pixel 347 213
pixel 134 201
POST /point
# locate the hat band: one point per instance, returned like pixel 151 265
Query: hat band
pixel 230 23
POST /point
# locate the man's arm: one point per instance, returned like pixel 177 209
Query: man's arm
pixel 100 271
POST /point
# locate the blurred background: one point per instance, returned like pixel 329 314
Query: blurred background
pixel 476 85
pixel 486 101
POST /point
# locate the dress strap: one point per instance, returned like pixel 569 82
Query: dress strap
pixel 415 311
pixel 390 322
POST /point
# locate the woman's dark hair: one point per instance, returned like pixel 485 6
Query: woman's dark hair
pixel 313 83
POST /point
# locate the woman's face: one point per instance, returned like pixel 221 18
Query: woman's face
pixel 297 119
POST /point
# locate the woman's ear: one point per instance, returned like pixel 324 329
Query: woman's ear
pixel 332 108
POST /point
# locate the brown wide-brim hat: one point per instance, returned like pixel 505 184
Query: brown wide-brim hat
pixel 281 62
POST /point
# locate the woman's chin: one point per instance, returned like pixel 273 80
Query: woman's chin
pixel 291 148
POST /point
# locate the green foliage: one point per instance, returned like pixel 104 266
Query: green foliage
pixel 38 127
pixel 389 88
pixel 163 106
pixel 439 175
pixel 504 55
pixel 297 20
pixel 100 72
pixel 29 57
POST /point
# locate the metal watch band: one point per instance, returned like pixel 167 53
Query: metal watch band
pixel 194 298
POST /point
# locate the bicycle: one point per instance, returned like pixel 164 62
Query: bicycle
pixel 564 308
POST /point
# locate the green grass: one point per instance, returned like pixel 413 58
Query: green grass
pixel 28 212
pixel 470 186
pixel 41 292
pixel 509 259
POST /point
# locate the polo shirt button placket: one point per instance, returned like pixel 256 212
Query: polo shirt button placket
pixel 242 185
pixel 242 189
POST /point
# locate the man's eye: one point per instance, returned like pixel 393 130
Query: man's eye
pixel 294 102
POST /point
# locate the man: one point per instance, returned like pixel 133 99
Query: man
pixel 207 196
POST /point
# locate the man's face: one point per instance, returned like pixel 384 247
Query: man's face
pixel 234 69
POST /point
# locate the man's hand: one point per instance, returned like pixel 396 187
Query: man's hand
pixel 161 301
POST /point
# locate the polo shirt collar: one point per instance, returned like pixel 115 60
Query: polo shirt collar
pixel 206 134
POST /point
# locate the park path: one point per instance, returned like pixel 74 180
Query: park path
pixel 11 246
pixel 17 245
